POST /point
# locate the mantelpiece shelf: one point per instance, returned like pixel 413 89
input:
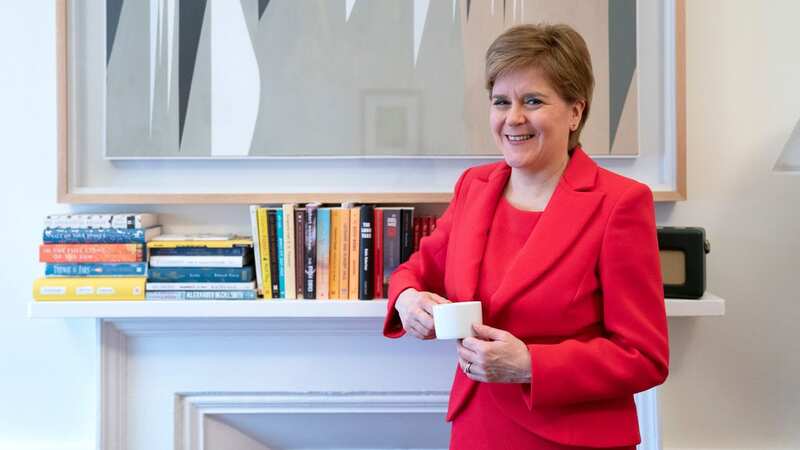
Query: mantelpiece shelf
pixel 708 305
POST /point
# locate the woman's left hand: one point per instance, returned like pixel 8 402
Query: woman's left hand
pixel 494 356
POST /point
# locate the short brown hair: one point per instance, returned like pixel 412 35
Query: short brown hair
pixel 558 50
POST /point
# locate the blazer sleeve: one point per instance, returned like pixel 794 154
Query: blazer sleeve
pixel 633 354
pixel 424 270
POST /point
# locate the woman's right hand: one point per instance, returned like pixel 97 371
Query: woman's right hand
pixel 416 311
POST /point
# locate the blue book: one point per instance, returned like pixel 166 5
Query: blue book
pixel 281 266
pixel 200 274
pixel 199 251
pixel 323 252
pixel 99 235
pixel 96 270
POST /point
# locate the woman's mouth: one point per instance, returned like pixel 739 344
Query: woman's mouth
pixel 518 137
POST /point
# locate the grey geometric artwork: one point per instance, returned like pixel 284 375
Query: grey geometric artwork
pixel 264 78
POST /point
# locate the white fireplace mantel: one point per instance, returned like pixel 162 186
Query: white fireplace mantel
pixel 279 375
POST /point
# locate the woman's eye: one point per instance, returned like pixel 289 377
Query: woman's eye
pixel 532 101
pixel 499 102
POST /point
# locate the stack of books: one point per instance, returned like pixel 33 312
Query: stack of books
pixel 95 256
pixel 201 267
pixel 321 252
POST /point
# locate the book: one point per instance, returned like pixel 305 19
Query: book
pixel 299 246
pixel 96 269
pixel 200 240
pixel 391 242
pixel 272 234
pixel 199 286
pixel 200 261
pixel 121 221
pixel 406 233
pixel 365 258
pixel 377 253
pixel 344 253
pixel 201 295
pixel 99 235
pixel 310 252
pixel 88 288
pixel 289 251
pixel 256 246
pixel 323 251
pixel 353 253
pixel 95 253
pixel 281 253
pixel 199 251
pixel 334 259
pixel 263 242
pixel 200 274
pixel 417 232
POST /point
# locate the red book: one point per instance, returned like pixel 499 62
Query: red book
pixel 417 232
pixel 427 224
pixel 100 253
pixel 377 242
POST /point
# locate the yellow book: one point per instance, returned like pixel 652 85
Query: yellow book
pixel 354 239
pixel 263 247
pixel 88 288
pixel 344 254
pixel 199 240
pixel 336 250
pixel 288 251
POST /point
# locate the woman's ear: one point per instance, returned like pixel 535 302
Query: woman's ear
pixel 577 111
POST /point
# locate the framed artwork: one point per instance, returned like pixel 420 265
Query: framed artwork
pixel 208 101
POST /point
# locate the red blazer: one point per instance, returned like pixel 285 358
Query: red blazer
pixel 585 295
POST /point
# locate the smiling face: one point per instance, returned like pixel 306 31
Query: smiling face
pixel 530 122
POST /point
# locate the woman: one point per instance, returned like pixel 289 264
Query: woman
pixel 564 258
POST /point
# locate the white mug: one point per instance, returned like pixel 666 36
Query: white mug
pixel 454 320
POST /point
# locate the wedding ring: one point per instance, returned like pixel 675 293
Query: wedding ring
pixel 469 364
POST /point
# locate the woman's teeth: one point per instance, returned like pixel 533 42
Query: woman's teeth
pixel 523 137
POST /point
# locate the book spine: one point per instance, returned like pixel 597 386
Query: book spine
pixel 272 231
pixel 353 255
pixel 310 252
pixel 391 243
pixel 96 270
pixel 323 251
pixel 197 261
pixel 289 248
pixel 200 275
pixel 120 221
pixel 334 260
pixel 344 253
pixel 199 286
pixel 202 295
pixel 256 246
pixel 89 288
pixel 417 232
pixel 98 235
pixel 281 253
pixel 406 234
pixel 377 253
pixel 365 258
pixel 299 246
pixel 79 253
pixel 199 251
pixel 263 239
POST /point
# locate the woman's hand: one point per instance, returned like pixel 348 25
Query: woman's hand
pixel 494 356
pixel 416 311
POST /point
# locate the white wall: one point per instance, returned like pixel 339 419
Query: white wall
pixel 734 379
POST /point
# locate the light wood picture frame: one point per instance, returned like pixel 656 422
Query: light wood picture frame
pixel 85 176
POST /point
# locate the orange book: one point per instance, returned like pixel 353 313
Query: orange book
pixel 78 253
pixel 336 250
pixel 344 252
pixel 354 238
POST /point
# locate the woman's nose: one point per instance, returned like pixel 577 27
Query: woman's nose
pixel 515 116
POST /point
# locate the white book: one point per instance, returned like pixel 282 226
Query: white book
pixel 201 286
pixel 123 220
pixel 288 251
pixel 196 261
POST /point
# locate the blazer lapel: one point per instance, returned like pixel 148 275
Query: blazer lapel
pixel 572 205
pixel 479 205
